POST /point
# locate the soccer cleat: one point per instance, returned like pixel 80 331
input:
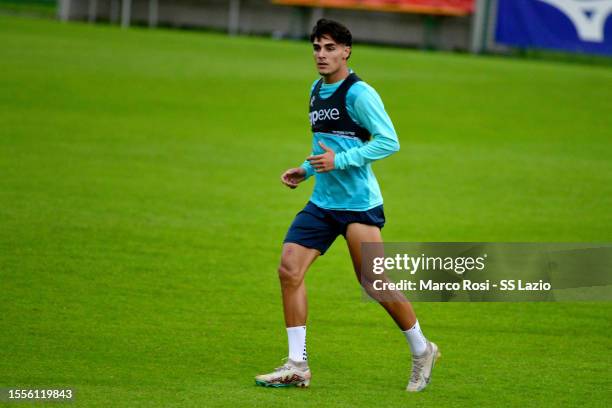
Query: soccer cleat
pixel 290 374
pixel 422 367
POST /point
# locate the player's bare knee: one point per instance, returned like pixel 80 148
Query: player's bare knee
pixel 289 275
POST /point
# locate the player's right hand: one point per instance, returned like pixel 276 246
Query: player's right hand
pixel 292 177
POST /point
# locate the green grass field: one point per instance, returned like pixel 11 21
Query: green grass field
pixel 141 220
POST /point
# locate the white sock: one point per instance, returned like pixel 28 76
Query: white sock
pixel 297 343
pixel 416 339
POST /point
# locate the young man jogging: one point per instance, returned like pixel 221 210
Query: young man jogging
pixel 350 130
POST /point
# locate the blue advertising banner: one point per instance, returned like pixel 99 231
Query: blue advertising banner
pixel 583 26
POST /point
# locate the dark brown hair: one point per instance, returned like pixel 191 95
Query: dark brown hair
pixel 337 31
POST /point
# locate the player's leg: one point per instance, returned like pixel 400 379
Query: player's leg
pixel 295 260
pixel 424 352
pixel 395 302
pixel 310 235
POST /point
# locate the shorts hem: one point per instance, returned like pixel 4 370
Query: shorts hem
pixel 295 241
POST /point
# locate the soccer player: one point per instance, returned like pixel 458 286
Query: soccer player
pixel 350 130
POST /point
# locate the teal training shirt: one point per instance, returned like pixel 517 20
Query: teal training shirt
pixel 352 184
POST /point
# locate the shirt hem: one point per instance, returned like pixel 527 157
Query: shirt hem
pixel 326 207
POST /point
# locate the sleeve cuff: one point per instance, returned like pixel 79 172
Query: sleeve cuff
pixel 339 161
pixel 309 170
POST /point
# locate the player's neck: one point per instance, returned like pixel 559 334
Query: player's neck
pixel 334 77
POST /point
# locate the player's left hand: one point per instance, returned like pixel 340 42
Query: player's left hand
pixel 323 162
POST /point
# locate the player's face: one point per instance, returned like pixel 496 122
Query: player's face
pixel 329 56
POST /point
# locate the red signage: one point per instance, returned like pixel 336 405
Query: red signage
pixel 444 7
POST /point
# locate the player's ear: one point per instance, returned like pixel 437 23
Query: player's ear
pixel 347 52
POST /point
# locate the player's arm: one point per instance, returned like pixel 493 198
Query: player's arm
pixel 292 177
pixel 369 112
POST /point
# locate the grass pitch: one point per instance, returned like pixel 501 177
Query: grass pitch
pixel 141 219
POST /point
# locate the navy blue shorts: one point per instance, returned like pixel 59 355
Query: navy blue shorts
pixel 316 227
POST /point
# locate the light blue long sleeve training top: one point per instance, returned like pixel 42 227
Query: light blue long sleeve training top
pixel 352 184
